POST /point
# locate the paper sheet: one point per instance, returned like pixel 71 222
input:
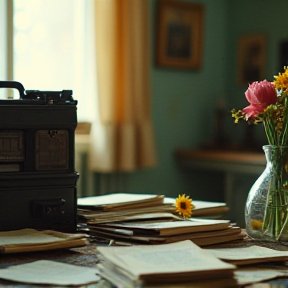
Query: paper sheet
pixel 50 272
pixel 36 238
pixel 250 276
pixel 244 253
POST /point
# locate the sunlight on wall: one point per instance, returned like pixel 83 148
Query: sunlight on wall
pixel 53 49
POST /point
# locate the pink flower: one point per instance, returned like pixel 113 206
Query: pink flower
pixel 260 95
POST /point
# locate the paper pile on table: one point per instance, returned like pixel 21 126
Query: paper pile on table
pixel 151 219
pixel 180 262
pixel 28 240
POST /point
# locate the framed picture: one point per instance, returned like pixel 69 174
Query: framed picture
pixel 179 34
pixel 251 59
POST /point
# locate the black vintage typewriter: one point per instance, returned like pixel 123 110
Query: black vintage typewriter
pixel 37 150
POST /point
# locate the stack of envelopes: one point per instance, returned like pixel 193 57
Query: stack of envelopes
pixel 151 219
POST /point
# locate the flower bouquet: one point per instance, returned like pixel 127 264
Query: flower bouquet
pixel 266 211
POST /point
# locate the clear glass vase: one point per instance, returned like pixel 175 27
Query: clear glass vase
pixel 266 210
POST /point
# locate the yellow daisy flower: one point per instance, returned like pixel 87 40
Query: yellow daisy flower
pixel 184 206
pixel 281 81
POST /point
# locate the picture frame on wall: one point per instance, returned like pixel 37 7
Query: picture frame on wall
pixel 179 34
pixel 251 59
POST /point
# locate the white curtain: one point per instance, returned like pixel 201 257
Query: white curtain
pixel 122 136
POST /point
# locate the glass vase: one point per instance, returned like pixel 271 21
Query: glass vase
pixel 266 210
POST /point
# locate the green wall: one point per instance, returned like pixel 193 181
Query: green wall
pixel 182 105
pixel 183 102
pixel 247 18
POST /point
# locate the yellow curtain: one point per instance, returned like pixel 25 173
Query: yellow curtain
pixel 122 137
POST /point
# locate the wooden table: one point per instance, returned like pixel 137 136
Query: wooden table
pixel 85 256
pixel 82 256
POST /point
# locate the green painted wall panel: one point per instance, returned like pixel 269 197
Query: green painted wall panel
pixel 183 102
pixel 183 105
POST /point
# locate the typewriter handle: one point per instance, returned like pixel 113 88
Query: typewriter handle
pixel 14 85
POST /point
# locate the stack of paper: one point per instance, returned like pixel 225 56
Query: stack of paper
pixel 249 255
pixel 201 231
pixel 151 219
pixel 27 240
pixel 121 206
pixel 180 262
pixel 267 263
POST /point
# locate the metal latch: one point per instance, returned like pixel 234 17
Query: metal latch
pixel 48 208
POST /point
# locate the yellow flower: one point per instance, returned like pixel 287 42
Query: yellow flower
pixel 281 81
pixel 237 115
pixel 256 224
pixel 184 206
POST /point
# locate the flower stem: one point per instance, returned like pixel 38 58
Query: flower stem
pixel 275 223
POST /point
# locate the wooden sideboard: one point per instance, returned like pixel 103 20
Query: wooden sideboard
pixel 231 164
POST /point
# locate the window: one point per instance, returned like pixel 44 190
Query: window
pixel 53 49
